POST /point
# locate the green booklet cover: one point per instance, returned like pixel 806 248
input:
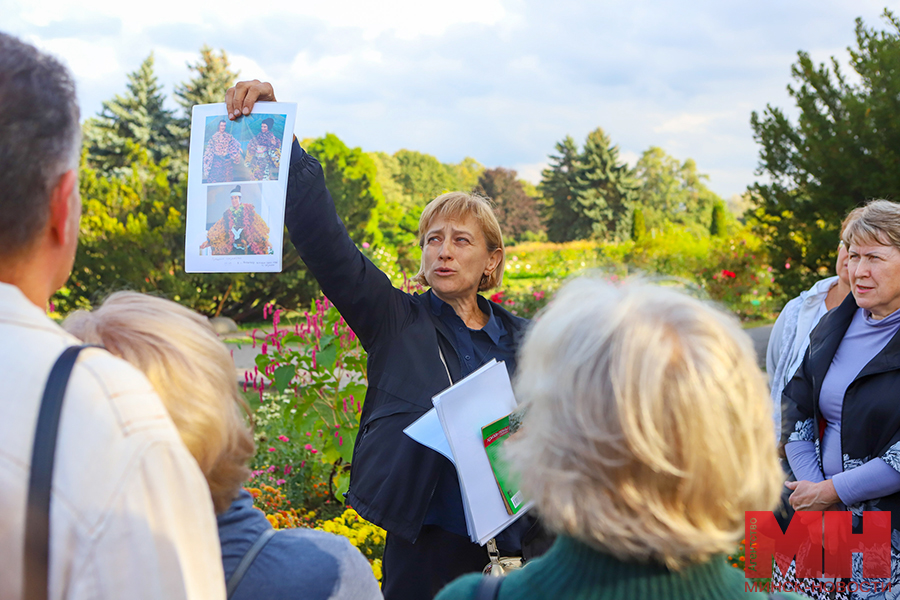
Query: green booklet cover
pixel 495 435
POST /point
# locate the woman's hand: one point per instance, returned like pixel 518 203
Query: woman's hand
pixel 239 100
pixel 812 496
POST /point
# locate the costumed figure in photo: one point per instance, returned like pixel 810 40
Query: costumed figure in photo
pixel 240 230
pixel 264 153
pixel 221 154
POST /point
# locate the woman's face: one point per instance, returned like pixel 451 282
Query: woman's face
pixel 841 266
pixel 221 127
pixel 264 128
pixel 455 256
pixel 874 271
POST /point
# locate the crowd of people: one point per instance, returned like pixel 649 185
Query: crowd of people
pixel 646 436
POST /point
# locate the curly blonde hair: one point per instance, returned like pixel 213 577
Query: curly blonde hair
pixel 648 430
pixel 190 369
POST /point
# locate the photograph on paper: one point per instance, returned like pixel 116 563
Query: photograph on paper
pixel 234 221
pixel 247 149
pixel 237 182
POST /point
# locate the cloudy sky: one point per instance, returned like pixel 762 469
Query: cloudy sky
pixel 499 80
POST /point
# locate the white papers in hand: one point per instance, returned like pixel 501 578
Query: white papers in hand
pixel 463 409
pixel 427 431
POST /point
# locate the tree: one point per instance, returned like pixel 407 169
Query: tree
pixel 139 117
pixel 423 177
pixel 638 227
pixel 604 190
pixel 843 149
pixel 672 192
pixel 718 226
pixel 212 77
pixel 558 188
pixel 350 176
pixel 516 211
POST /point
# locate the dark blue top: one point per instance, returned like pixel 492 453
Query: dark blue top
pixel 475 347
pixel 296 563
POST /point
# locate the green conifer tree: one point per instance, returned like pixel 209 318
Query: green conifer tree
pixel 718 226
pixel 558 188
pixel 140 117
pixel 212 76
pixel 638 227
pixel 605 189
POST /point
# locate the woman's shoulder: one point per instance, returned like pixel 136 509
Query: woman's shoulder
pixel 462 588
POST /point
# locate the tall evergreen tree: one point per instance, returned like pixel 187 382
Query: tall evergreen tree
pixel 638 226
pixel 140 117
pixel 211 77
pixel 558 188
pixel 605 189
pixel 718 226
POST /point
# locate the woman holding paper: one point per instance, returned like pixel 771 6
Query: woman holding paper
pixel 647 435
pixel 417 345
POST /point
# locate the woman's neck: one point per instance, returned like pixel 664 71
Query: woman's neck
pixel 836 294
pixel 468 310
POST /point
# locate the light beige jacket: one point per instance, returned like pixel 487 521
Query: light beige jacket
pixel 131 514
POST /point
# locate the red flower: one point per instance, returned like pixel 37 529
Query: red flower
pixel 727 273
pixel 498 297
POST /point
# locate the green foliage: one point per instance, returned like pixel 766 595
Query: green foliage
pixel 604 189
pixel 590 194
pixel 718 225
pixel 842 150
pixel 351 177
pixel 318 369
pixel 558 188
pixel 672 192
pixel 638 226
pixel 139 117
pixel 212 76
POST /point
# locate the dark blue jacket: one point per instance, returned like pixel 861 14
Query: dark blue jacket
pixel 392 477
pixel 295 563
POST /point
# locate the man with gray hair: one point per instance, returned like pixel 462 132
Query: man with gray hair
pixel 130 512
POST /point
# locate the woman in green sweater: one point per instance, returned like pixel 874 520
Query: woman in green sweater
pixel 647 435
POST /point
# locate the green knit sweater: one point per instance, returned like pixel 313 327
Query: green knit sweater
pixel 574 571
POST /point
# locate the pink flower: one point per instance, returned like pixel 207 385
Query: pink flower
pixel 272 450
pixel 283 438
pixel 308 446
pixel 279 481
pixel 787 265
pixel 365 244
pixel 272 469
pixel 539 295
pixel 287 469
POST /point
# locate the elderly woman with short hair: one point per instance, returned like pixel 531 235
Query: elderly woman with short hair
pixel 193 373
pixel 417 345
pixel 647 436
pixel 842 423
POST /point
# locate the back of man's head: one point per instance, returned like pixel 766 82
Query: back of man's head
pixel 39 139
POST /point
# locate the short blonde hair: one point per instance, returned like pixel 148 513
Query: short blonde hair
pixel 648 431
pixel 878 222
pixel 190 369
pixel 460 204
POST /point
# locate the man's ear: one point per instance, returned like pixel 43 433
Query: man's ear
pixel 61 208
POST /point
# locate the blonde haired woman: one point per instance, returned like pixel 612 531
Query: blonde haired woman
pixel 193 373
pixel 647 435
pixel 417 345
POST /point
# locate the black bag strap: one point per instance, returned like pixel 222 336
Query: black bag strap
pixel 37 511
pixel 489 588
pixel 247 560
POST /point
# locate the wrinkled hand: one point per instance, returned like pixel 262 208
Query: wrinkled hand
pixel 812 496
pixel 239 100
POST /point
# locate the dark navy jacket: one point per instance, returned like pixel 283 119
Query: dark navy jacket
pixel 392 477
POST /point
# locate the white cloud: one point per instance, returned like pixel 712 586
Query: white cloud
pixel 531 172
pixel 499 80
